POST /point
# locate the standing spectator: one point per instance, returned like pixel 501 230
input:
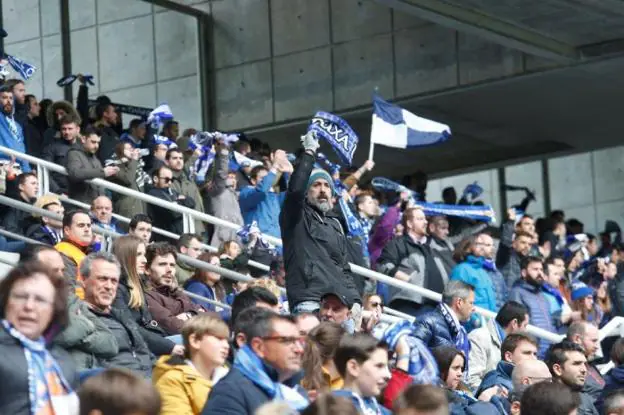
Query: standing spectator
pixel 438 230
pixel 56 152
pixel 567 363
pixel 136 134
pixel 17 220
pixel 167 303
pixel 190 245
pixel 33 306
pixel 18 88
pixel 409 259
pixel 11 133
pixel 485 244
pixel 49 231
pixel 486 341
pixel 32 133
pixel 588 337
pixel 106 120
pixel 171 130
pixel 223 196
pixel 547 398
pixel 76 244
pixel 183 184
pixel 512 249
pixel 208 284
pixel 528 291
pixel 261 370
pixel 559 308
pixel 131 175
pixel 368 210
pixel 384 230
pixel 315 246
pixel 82 165
pixel 54 113
pixel 165 218
pixel 141 227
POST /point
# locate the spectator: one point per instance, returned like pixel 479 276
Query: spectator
pixel 190 245
pixel 512 249
pixel 82 165
pixel 56 152
pixel 101 273
pixel 171 130
pixel 183 184
pixel 223 196
pixel 442 326
pixel 253 297
pixel 383 231
pixel 17 220
pixel 47 256
pixel 106 119
pixel 130 252
pixel 614 402
pixel 185 382
pixel 76 244
pixel 54 113
pixel 583 301
pixel 485 244
pixel 11 132
pixel 131 175
pixel 368 210
pixel 33 135
pixel 362 362
pixel 558 305
pixel 141 227
pixel 330 405
pixel 208 284
pixel 118 392
pixel 158 151
pixel 315 246
pixel 306 322
pixel 272 342
pixel 588 337
pixel 486 341
pixel 335 307
pixel 547 398
pixel 102 215
pixel 164 218
pixel 528 291
pixel 408 258
pixel 438 231
pixel 167 303
pixel 136 134
pixel 259 202
pixel 18 89
pixel 320 372
pixel 567 363
pixel 614 381
pixel 516 348
pixel 33 308
pixel 422 400
pixel 470 269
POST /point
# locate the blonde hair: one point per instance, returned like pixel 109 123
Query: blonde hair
pixel 204 324
pixel 125 249
pixel 267 283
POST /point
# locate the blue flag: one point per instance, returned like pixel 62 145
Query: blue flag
pixel 336 132
pixel 26 70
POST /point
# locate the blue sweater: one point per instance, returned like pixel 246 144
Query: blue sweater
pixel 471 272
pixel 7 139
pixel 199 288
pixel 263 206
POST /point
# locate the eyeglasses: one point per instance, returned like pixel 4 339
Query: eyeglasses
pixel 23 298
pixel 376 304
pixel 286 340
pixel 166 179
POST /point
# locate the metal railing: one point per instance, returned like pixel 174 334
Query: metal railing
pixel 553 337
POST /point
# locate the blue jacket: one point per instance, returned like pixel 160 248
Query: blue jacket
pixel 460 404
pixel 613 380
pixel 371 403
pixel 7 139
pixel 501 290
pixel 471 272
pixel 501 376
pixel 200 288
pixel 263 206
pixel 432 329
pixel 235 395
pixel 539 309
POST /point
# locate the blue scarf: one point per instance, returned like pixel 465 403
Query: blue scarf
pixel 40 364
pixel 422 366
pixel 337 133
pixel 364 406
pixel 489 265
pixel 70 79
pixel 25 70
pixel 252 367
pixel 554 292
pixel 458 332
pixel 500 331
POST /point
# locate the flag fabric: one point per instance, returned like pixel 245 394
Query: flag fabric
pixel 337 133
pixel 26 70
pixel 395 127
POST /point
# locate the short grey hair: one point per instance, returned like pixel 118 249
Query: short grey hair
pixel 87 262
pixel 456 289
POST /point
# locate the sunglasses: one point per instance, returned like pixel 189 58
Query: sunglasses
pixel 166 179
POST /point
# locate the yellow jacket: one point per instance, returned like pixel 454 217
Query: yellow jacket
pixel 74 253
pixel 183 390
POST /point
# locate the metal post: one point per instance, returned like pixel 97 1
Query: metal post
pixel 66 46
pixel 546 186
pixel 502 182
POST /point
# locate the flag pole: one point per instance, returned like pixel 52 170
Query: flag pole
pixel 371 150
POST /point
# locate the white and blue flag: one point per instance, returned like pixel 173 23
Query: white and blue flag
pixel 395 127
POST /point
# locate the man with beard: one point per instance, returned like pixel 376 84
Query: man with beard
pixel 11 132
pixel 315 245
pixel 528 291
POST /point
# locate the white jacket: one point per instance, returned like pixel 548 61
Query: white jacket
pixel 485 352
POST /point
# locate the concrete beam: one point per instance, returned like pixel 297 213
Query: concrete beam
pixel 178 7
pixel 487 27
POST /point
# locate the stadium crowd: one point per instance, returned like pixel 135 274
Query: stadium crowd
pixel 101 325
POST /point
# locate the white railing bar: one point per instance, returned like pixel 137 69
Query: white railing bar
pixel 399 314
pixel 19 237
pixel 207 300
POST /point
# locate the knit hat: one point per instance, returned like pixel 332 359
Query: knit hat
pixel 580 290
pixel 320 174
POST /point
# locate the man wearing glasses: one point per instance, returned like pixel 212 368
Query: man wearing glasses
pixel 164 218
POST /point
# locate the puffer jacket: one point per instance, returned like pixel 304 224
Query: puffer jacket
pixel 258 203
pixel 182 388
pixel 501 290
pixel 433 330
pixel 471 272
pixel 539 309
pixel 485 352
pixel 501 376
pixel 82 166
pixel 614 380
pixel 315 245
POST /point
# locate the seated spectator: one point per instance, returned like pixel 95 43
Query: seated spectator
pixel 614 379
pixel 422 400
pixel 253 297
pixel 47 256
pixel 33 306
pixel 336 308
pixel 442 326
pixel 271 286
pixel 49 231
pixel 231 255
pixel 272 342
pixel 183 184
pixel 190 245
pixel 102 215
pixel 306 322
pixel 528 291
pixel 118 392
pixel 583 302
pixel 516 348
pixel 11 132
pixel 101 277
pixel 568 366
pixel 164 218
pixel 167 303
pixel 550 398
pixel 185 382
pixel 614 402
pixel 130 252
pixel 18 220
pixel 512 249
pixel 83 165
pixel 208 284
pixel 158 151
pixel 56 151
pixel 588 337
pixel 526 373
pixel 141 227
pixel 329 405
pixel 131 175
pixel 485 342
pixel 320 373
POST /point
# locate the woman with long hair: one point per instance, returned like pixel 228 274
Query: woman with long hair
pixel 130 252
pixel 583 302
pixel 320 373
pixel 208 284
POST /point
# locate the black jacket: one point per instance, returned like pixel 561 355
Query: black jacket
pixel 108 142
pixel 33 138
pixel 82 166
pixel 164 218
pixel 18 221
pixel 39 233
pixel 315 245
pixel 56 153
